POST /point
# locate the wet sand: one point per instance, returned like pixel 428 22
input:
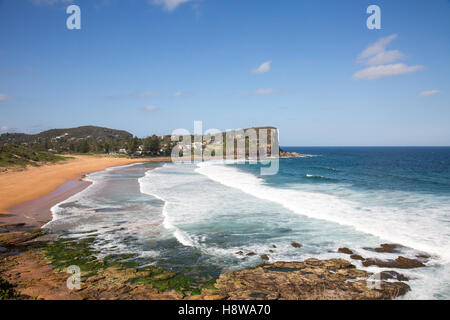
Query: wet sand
pixel 27 196
pixel 36 213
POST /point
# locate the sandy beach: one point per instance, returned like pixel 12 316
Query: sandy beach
pixel 26 196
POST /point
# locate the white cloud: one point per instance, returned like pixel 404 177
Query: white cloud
pixel 376 48
pixel 147 94
pixel 429 93
pixel 151 108
pixel 168 5
pixel 377 57
pixel 4 97
pixel 264 67
pixel 385 57
pixel 4 128
pixel 381 71
pixel 260 92
pixel 177 94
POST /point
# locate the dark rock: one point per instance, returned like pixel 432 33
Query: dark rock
pixel 356 257
pixel 388 247
pixel 274 246
pixel 264 257
pixel 400 262
pixel 309 279
pixel 384 275
pixel 345 250
pixel 251 254
pixel 296 245
pixel 423 256
pixel 240 253
pixel 16 238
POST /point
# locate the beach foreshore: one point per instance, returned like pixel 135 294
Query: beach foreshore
pixel 26 196
pixel 33 261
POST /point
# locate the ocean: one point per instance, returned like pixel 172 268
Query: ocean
pixel 196 218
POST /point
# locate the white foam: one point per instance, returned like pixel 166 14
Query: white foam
pixel 414 230
pixel 96 179
pixel 150 187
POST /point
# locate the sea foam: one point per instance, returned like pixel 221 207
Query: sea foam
pixel 412 229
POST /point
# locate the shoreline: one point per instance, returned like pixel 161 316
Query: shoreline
pixel 37 212
pixel 38 251
pixel 22 204
pixel 27 196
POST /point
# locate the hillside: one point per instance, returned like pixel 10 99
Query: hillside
pixel 11 156
pixel 92 139
pixel 71 140
pixel 84 132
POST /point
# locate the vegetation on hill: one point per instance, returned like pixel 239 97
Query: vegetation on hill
pixel 24 149
pixel 22 156
pixel 75 140
pixel 83 132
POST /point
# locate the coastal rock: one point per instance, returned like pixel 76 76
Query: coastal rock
pixel 264 257
pixel 284 154
pixel 34 278
pixel 356 257
pixel 164 276
pixel 400 262
pixel 15 238
pixel 423 256
pixel 309 279
pixel 250 254
pixel 239 253
pixel 384 275
pixel 289 154
pixel 388 248
pixel 296 245
pixel 345 250
pixel 213 297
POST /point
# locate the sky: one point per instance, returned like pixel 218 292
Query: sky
pixel 311 68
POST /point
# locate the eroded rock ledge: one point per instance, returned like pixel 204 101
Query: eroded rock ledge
pixel 310 279
pixel 34 267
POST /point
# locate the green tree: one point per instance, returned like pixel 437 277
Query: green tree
pixel 106 147
pixel 152 145
pixel 133 145
pixel 168 147
pixel 83 147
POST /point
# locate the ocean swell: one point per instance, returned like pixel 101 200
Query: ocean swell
pixel 411 229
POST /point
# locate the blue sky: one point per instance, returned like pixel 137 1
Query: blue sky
pixel 311 68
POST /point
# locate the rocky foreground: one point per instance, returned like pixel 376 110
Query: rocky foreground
pixel 33 266
pixel 333 279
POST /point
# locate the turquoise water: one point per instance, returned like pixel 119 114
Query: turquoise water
pixel 200 215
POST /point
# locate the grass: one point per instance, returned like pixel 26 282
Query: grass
pixel 16 156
